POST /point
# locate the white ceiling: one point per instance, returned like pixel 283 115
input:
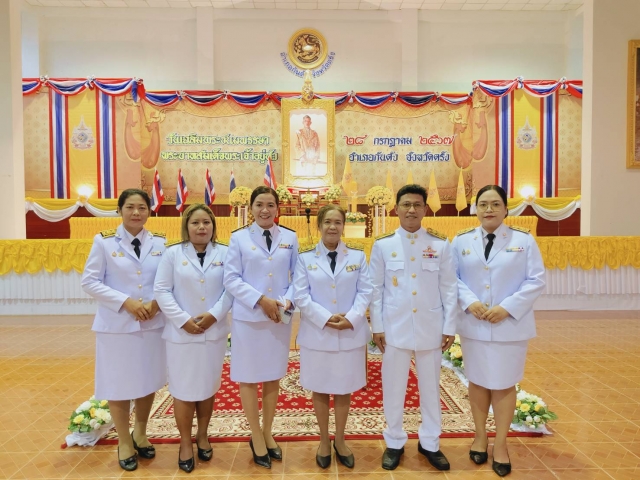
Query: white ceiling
pixel 323 4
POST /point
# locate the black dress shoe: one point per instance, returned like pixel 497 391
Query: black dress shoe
pixel 437 459
pixel 145 452
pixel 391 458
pixel 323 462
pixel 478 457
pixel 346 460
pixel 128 464
pixel 204 455
pixel 262 460
pixel 275 453
pixel 186 465
pixel 502 469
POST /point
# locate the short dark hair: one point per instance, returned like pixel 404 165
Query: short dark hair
pixel 263 189
pixel 130 192
pixel 412 188
pixel 495 188
pixel 193 208
pixel 329 208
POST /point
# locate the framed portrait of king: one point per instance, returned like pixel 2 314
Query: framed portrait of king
pixel 308 142
pixel 633 105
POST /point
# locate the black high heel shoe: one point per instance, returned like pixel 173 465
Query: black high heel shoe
pixel 323 462
pixel 128 464
pixel 478 457
pixel 275 453
pixel 204 455
pixel 145 452
pixel 501 469
pixel 262 460
pixel 346 460
pixel 186 465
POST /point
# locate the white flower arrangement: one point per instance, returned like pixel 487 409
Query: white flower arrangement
pixel 240 196
pixel 379 196
pixel 89 422
pixel 284 195
pixel 307 199
pixel 333 193
pixel 531 411
pixel 356 217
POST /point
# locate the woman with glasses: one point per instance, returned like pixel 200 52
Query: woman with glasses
pixel 500 275
pixel 332 290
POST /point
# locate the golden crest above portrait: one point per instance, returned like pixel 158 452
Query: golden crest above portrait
pixel 307 48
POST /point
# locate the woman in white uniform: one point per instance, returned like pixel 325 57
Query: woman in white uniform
pixel 500 275
pixel 189 291
pixel 130 352
pixel 332 290
pixel 260 263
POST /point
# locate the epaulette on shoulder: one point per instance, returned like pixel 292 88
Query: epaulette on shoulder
pixel 222 242
pixel 171 243
pixel 287 228
pixel 385 235
pixel 436 233
pixel 159 234
pixel 244 226
pixel 519 229
pixel 355 246
pixel 306 248
pixel 108 233
pixel 465 230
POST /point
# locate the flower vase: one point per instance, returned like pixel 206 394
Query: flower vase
pixel 379 220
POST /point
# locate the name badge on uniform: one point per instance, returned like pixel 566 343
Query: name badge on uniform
pixel 515 249
pixel 285 245
pixel 353 268
pixel 430 253
pixel 156 253
pixel 217 264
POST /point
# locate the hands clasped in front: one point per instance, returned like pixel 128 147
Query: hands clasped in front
pixel 270 307
pixel 141 311
pixel 492 315
pixel 199 324
pixel 338 321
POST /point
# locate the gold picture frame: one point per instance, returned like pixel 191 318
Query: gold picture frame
pixel 633 105
pixel 308 142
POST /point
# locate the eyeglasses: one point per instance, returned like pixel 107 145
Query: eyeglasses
pixel 408 205
pixel 482 206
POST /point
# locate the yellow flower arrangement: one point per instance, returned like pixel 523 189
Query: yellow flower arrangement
pixel 284 195
pixel 454 353
pixel 240 196
pixel 379 196
pixel 89 416
pixel 333 193
pixel 307 199
pixel 530 410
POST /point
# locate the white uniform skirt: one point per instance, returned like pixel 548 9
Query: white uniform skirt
pixel 494 365
pixel 336 373
pixel 130 365
pixel 259 351
pixel 195 369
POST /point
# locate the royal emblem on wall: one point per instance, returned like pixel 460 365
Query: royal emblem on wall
pixel 82 137
pixel 307 51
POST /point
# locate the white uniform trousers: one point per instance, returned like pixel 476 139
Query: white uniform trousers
pixel 395 375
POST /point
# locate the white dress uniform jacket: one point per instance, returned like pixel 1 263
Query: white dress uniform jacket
pixel 414 289
pixel 319 293
pixel 185 289
pixel 252 271
pixel 113 273
pixel 512 277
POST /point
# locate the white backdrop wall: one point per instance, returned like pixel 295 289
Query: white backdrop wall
pixel 160 45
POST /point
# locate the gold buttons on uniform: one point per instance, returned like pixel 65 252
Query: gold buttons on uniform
pixel 415 310
pixel 271 274
pixel 413 275
pixel 412 242
pixel 139 272
pixel 253 248
pixel 140 299
pixel 202 299
pixel 414 292
pixel 334 301
pixel 413 258
pixel 486 268
pixel 486 304
pixel 269 258
pixel 202 280
pixel 333 286
pixel 139 286
pixel 269 290
pixel 487 287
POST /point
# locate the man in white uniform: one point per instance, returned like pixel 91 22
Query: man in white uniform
pixel 413 312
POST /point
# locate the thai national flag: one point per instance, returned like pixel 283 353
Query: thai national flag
pixel 157 195
pixel 232 185
pixel 209 190
pixel 269 175
pixel 181 192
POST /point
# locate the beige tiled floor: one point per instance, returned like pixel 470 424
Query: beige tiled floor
pixel 586 365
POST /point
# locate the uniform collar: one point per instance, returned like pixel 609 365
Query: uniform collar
pixel 407 235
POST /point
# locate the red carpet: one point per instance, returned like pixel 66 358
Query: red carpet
pixel 295 419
